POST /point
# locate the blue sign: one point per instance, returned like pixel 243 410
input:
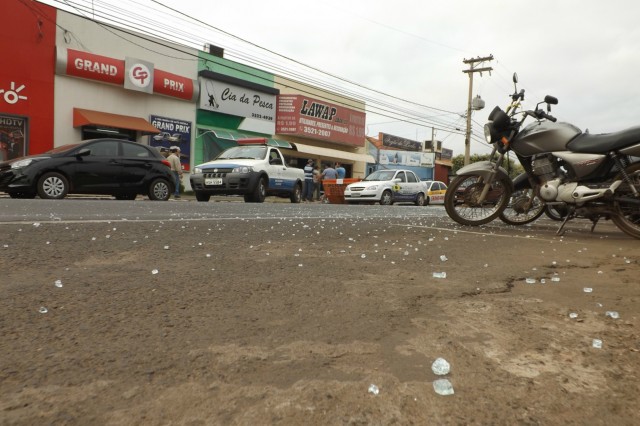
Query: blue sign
pixel 173 132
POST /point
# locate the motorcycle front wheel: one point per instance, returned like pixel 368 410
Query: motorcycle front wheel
pixel 523 207
pixel 462 200
pixel 626 212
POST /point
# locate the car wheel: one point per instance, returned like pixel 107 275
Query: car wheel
pixel 420 199
pixel 200 196
pixel 427 201
pixel 387 198
pixel 159 190
pixel 296 195
pixel 53 186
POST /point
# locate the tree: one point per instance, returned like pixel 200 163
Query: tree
pixel 513 167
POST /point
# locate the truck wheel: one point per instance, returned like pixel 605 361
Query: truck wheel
pixel 200 196
pixel 296 195
pixel 260 192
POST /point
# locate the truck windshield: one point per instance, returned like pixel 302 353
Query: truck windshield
pixel 251 152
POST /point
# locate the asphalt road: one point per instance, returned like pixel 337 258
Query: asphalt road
pixel 141 312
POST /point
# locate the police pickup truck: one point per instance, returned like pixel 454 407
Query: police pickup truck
pixel 253 169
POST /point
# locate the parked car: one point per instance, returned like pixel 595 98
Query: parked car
pixel 163 136
pixel 435 192
pixel 115 167
pixel 387 187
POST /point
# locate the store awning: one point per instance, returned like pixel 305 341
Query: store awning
pixel 334 154
pixel 234 135
pixel 86 117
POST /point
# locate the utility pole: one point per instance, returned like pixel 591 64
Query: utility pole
pixel 472 69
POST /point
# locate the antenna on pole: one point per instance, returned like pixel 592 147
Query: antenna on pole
pixel 472 70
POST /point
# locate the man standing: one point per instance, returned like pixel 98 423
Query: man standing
pixel 308 181
pixel 342 173
pixel 329 173
pixel 176 168
pixel 317 181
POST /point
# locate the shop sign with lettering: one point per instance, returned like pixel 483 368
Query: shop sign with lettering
pixel 227 98
pixel 304 116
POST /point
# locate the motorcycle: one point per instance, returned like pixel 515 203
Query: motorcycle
pixel 568 173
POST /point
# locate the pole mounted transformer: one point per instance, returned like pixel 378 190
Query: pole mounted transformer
pixel 475 104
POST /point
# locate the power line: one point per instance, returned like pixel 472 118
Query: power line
pixel 373 105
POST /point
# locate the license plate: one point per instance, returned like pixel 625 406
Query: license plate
pixel 213 181
pixel 355 194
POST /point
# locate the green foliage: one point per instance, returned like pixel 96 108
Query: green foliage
pixel 512 166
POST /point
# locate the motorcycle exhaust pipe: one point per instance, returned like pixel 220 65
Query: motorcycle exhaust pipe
pixel 628 200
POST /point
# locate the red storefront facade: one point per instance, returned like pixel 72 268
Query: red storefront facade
pixel 27 41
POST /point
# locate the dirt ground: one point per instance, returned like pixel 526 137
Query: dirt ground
pixel 291 321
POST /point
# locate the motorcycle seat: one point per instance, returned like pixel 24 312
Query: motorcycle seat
pixel 603 143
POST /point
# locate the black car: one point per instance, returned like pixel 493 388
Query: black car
pixel 115 167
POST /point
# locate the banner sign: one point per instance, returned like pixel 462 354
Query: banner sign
pixel 138 75
pixel 132 74
pixel 94 67
pixel 304 116
pixel 165 83
pixel 400 143
pixel 228 98
pixel 447 154
pixel 173 132
pixel 13 131
pixel 406 158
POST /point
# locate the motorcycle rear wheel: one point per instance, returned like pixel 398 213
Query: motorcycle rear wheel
pixel 521 209
pixel 627 214
pixel 461 200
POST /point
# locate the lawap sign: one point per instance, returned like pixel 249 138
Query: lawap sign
pixel 304 116
pixel 131 73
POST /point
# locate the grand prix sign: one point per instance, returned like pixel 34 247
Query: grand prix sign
pixel 131 73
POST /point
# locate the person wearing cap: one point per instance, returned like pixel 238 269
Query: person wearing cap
pixel 308 181
pixel 176 168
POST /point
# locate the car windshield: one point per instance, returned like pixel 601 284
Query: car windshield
pixel 63 148
pixel 381 175
pixel 237 152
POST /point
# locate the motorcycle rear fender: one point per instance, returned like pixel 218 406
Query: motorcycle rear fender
pixel 482 169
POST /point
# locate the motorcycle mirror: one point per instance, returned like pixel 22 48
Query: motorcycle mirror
pixel 551 100
pixel 515 77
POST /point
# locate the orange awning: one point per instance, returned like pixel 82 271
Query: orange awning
pixel 86 117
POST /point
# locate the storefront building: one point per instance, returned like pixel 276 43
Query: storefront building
pixel 110 83
pixel 395 152
pixel 323 126
pixel 72 79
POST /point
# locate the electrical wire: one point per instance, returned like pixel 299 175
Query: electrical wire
pixel 393 108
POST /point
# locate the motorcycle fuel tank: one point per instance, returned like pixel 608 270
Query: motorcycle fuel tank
pixel 544 136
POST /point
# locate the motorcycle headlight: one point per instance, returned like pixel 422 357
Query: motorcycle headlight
pixel 242 169
pixel 21 163
pixel 487 132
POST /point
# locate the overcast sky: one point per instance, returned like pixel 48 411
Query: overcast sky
pixel 586 53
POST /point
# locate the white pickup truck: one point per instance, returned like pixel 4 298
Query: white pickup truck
pixel 252 169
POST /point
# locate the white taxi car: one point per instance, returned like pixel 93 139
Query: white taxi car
pixel 387 187
pixel 435 192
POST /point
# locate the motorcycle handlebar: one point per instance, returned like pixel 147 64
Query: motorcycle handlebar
pixel 538 114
